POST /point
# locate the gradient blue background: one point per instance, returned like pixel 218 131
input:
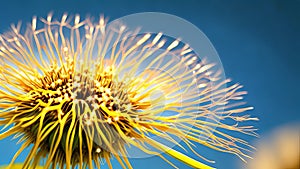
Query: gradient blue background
pixel 257 41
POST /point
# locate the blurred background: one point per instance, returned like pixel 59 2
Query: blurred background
pixel 258 43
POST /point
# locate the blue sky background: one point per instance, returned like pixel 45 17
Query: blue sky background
pixel 257 41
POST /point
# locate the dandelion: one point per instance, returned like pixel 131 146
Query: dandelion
pixel 81 92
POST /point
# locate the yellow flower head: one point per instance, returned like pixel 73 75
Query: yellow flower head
pixel 81 91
